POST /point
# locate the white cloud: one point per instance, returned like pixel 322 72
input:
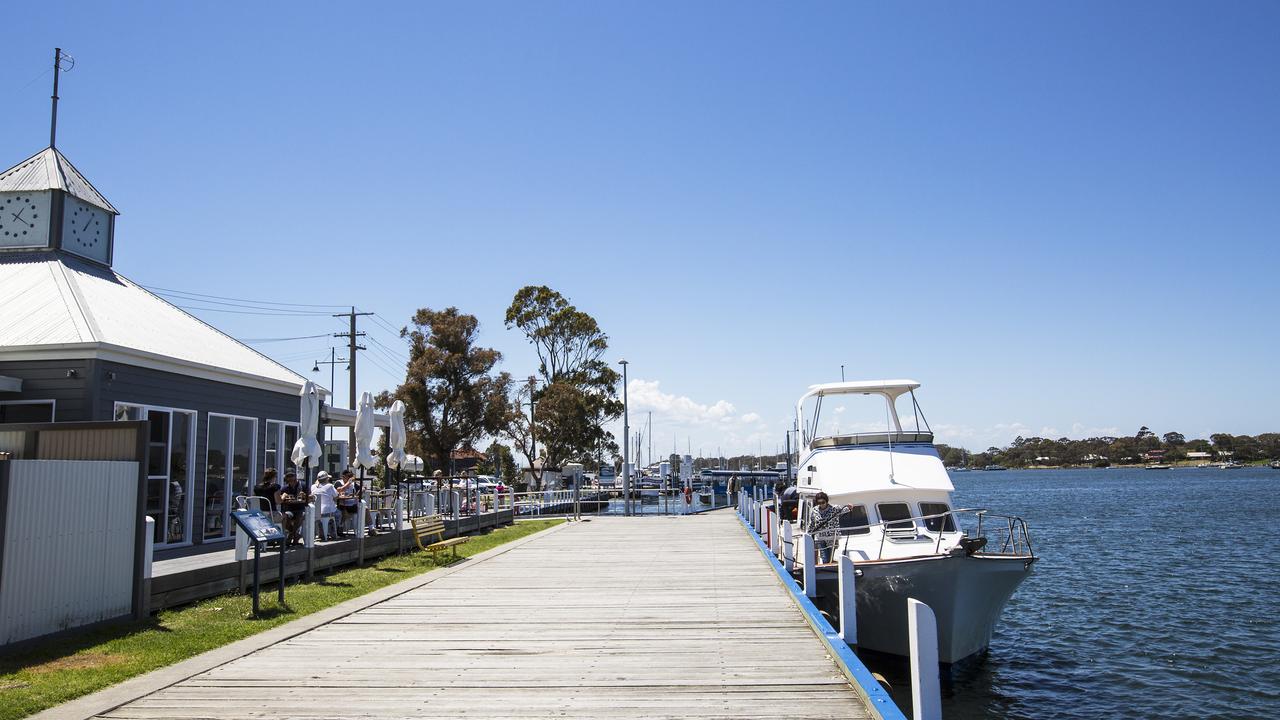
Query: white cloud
pixel 682 421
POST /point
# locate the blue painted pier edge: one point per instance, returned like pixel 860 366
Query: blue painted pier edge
pixel 878 701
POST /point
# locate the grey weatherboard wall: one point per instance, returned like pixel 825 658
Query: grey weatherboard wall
pixel 98 385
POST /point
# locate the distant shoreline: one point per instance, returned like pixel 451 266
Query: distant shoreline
pixel 1179 464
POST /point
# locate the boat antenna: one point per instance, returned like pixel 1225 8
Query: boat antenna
pixel 888 427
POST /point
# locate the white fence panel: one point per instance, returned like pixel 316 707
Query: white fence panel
pixel 69 536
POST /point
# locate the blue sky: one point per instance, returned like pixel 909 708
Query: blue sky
pixel 1062 219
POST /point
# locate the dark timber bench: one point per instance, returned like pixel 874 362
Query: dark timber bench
pixel 425 528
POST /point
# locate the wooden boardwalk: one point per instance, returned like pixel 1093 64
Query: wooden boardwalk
pixel 650 617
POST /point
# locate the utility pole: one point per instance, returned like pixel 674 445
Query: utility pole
pixel 352 347
pixel 626 443
pixel 533 434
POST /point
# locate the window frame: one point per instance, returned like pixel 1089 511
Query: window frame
pixel 53 407
pixel 228 470
pixel 194 415
pixel 948 524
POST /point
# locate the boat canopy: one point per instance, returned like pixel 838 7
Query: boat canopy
pixel 890 390
pixel 840 471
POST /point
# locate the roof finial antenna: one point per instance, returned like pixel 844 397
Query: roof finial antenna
pixel 59 59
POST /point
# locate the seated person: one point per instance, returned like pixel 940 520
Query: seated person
pixel 292 498
pixel 328 494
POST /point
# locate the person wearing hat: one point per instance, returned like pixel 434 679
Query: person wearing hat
pixel 323 488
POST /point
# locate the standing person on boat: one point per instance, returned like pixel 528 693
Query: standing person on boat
pixel 823 525
pixel 788 500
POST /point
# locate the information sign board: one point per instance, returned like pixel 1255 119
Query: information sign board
pixel 258 526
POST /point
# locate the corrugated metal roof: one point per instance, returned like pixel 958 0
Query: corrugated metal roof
pixel 54 299
pixel 51 170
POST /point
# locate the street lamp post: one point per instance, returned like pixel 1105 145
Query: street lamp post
pixel 626 450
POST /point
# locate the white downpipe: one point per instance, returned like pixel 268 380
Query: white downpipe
pixel 848 600
pixel 809 564
pixel 926 694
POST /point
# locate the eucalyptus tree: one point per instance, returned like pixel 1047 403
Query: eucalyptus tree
pixel 452 394
pixel 578 390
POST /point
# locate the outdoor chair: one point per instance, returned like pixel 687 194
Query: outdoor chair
pixel 327 526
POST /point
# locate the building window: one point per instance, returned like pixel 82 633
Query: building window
pixel 279 442
pixel 229 463
pixel 26 411
pixel 170 474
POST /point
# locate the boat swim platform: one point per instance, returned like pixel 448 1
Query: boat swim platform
pixel 642 617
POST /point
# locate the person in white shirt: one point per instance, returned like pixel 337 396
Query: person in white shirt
pixel 323 488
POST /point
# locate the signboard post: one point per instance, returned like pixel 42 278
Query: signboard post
pixel 257 526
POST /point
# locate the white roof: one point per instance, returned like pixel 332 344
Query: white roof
pixel 51 170
pixel 841 471
pixel 60 307
pixel 892 388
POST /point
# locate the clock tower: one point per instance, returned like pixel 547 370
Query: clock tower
pixel 46 204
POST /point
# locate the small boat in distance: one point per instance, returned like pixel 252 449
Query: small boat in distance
pixel 1158 466
pixel 1233 465
pixel 994 466
pixel 1275 465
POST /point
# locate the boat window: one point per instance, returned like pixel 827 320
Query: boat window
pixel 896 516
pixel 944 524
pixel 855 518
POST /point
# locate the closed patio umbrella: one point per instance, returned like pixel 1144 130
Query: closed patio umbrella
pixel 307 448
pixel 364 433
pixel 396 457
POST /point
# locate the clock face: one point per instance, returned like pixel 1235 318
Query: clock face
pixel 24 219
pixel 86 230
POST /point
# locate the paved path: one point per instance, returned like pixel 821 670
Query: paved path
pixel 613 618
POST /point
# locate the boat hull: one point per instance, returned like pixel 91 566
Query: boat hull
pixel 966 594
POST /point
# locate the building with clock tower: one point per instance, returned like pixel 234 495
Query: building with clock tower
pixel 81 342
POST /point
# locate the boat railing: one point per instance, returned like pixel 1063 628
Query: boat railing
pixel 872 438
pixel 1009 532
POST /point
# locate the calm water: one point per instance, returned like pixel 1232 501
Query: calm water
pixel 1156 595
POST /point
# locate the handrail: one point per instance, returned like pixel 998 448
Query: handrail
pixel 1016 529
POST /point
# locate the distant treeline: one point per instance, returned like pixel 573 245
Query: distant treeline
pixel 1144 447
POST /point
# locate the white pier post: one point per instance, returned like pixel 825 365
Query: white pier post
pixel 788 547
pixel 926 694
pixel 309 536
pixel 148 552
pixel 809 564
pixel 361 515
pixel 400 525
pixel 456 500
pixel 775 536
pixel 848 600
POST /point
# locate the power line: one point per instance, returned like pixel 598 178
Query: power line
pixel 280 311
pixel 156 289
pixel 248 312
pixel 282 339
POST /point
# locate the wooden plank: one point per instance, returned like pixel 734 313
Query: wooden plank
pixel 613 618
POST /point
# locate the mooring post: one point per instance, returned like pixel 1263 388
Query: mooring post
pixel 775 535
pixel 455 499
pixel 309 536
pixel 809 565
pixel 926 694
pixel 848 600
pixel 788 547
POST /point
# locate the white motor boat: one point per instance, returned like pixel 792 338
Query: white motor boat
pixel 902 533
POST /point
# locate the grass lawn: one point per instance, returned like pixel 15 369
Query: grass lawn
pixel 54 672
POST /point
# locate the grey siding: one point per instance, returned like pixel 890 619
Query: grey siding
pixel 154 387
pixel 47 380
